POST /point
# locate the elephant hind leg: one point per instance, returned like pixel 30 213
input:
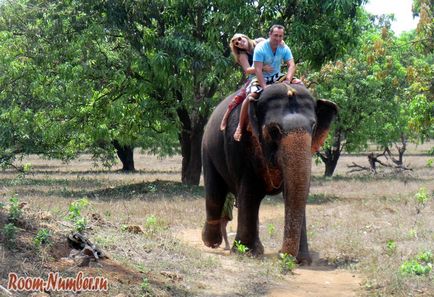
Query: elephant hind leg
pixel 216 191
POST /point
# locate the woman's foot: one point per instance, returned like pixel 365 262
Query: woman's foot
pixel 238 133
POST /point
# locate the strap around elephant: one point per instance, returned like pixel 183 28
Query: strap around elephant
pixel 213 222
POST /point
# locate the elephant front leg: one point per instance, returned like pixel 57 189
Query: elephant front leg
pixel 248 222
pixel 303 256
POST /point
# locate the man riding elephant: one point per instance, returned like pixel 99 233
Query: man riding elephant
pixel 269 52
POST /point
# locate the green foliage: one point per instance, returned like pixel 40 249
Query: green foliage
pixel 75 208
pixel 422 196
pixel 10 232
pixel 390 247
pixel 151 221
pixel 271 229
pixel 421 265
pixel 146 287
pixel 383 92
pixel 80 224
pixel 144 74
pixel 425 256
pixel 287 263
pixel 75 216
pixel 241 248
pixel 15 212
pixel 429 163
pixel 27 168
pixel 42 237
pixel 153 224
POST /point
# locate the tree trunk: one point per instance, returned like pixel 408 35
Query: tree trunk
pixel 332 155
pixel 190 139
pixel 126 155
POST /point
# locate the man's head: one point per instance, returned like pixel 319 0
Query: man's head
pixel 276 35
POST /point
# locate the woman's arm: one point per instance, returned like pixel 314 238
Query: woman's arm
pixel 244 63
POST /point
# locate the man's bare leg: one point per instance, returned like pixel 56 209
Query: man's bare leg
pixel 223 225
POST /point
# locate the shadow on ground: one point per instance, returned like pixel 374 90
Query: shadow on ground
pixel 158 189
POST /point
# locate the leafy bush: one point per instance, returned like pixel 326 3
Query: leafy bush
pixel 241 248
pixel 390 247
pixel 421 265
pixel 42 237
pixel 9 232
pixel 15 211
pixel 75 216
pixel 287 263
pixel 422 196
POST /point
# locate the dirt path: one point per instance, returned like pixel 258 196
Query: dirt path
pixel 317 280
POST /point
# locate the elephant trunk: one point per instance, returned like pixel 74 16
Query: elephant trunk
pixel 294 157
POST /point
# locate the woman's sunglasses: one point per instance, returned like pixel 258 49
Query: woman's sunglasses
pixel 237 41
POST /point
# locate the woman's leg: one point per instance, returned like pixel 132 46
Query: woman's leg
pixel 234 103
pixel 243 116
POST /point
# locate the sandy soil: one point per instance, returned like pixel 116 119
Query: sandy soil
pixel 315 280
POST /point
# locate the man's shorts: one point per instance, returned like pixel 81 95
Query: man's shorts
pixel 254 86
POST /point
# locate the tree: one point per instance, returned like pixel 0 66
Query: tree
pixel 125 74
pixel 192 50
pixel 76 86
pixel 381 95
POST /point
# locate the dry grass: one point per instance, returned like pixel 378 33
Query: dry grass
pixel 351 217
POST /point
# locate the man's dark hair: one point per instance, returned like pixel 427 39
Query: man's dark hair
pixel 274 27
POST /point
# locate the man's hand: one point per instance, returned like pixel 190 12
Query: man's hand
pixel 267 68
pixel 259 74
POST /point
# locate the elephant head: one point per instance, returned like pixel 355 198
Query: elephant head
pixel 289 126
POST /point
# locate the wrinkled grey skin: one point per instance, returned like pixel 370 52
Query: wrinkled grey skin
pixel 273 156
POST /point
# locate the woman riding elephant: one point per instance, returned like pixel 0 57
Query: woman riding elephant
pixel 242 48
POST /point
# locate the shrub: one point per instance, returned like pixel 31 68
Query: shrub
pixel 74 214
pixel 42 237
pixel 15 211
pixel 421 265
pixel 287 263
pixel 241 248
pixel 9 232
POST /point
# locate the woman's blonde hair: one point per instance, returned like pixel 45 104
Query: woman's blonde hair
pixel 235 50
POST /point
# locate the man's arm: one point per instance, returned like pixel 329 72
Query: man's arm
pixel 291 70
pixel 259 75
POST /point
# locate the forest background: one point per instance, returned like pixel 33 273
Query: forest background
pixel 106 77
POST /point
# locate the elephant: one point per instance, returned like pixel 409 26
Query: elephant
pixel 286 126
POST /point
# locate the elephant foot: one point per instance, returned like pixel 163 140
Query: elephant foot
pixel 304 259
pixel 211 235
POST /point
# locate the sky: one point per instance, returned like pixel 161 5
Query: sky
pixel 400 8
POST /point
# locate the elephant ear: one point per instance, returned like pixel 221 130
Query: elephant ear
pixel 253 125
pixel 325 113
